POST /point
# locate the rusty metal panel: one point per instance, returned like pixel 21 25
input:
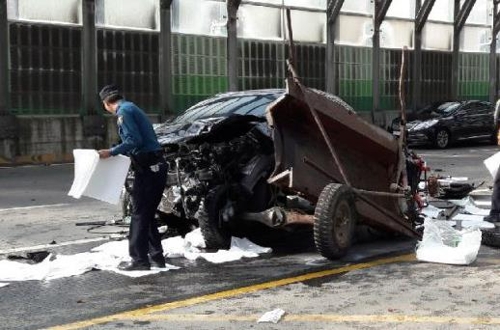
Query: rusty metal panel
pixel 319 139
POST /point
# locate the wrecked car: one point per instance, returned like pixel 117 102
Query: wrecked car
pixel 286 159
pixel 219 153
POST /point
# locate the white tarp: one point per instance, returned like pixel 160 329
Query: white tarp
pixel 109 255
pixel 101 179
pixel 492 163
pixel 189 248
pixel 442 243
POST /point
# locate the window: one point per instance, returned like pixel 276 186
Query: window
pixel 199 17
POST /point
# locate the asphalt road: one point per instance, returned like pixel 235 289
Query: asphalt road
pixel 378 285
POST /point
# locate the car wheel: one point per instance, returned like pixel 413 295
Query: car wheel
pixel 334 221
pixel 213 218
pixel 491 237
pixel 442 139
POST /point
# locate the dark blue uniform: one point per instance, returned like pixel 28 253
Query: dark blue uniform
pixel 140 143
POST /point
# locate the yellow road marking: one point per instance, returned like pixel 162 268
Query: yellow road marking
pixel 231 293
pixel 330 318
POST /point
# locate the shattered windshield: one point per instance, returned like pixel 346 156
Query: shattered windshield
pixel 243 104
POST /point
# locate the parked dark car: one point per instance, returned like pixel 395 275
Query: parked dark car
pixel 443 123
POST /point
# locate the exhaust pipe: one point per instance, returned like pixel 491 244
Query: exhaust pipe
pixel 277 217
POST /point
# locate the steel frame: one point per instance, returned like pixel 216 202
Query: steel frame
pixel 422 12
pixel 89 58
pixel 493 53
pixel 232 44
pixel 332 12
pixel 380 10
pixel 4 59
pixel 165 58
pixel 461 15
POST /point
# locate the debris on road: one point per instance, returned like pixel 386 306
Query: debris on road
pixel 109 255
pixel 441 243
pixel 273 316
pixel 31 257
pixel 3 284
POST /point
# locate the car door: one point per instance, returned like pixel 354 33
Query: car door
pixel 486 124
pixel 461 121
pixel 477 119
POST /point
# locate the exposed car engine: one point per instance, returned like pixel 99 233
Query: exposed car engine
pixel 198 165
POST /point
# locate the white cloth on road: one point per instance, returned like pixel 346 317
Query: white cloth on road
pixel 109 255
pixel 189 248
pixel 101 179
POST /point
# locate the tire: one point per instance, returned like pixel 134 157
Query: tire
pixel 442 139
pixel 214 229
pixel 491 237
pixel 334 221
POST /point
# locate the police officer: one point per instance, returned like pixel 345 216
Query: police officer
pixel 138 140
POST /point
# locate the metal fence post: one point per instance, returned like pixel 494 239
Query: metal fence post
pixel 165 58
pixel 4 59
pixel 94 123
pixel 9 126
pixel 232 44
pixel 332 13
pixel 380 10
pixel 493 53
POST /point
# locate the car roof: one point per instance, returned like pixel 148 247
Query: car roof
pixel 253 92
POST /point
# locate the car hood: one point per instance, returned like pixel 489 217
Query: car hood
pixel 169 133
pixel 422 124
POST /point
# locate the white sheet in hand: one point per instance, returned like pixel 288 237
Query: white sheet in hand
pixel 492 163
pixel 101 179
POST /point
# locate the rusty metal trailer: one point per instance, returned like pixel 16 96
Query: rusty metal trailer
pixel 354 171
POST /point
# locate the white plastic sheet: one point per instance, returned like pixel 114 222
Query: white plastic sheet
pixel 109 255
pixel 101 179
pixel 190 248
pixel 441 243
pixel 431 211
pixel 492 163
pixel 3 284
pixel 273 316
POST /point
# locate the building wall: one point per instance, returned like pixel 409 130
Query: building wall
pixel 46 74
pixel 51 139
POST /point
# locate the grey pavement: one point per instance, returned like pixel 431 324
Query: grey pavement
pixel 377 286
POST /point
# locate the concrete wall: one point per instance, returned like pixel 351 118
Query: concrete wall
pixel 51 139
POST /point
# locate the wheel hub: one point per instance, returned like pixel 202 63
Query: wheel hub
pixel 341 223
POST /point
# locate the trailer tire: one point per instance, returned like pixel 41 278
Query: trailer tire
pixel 491 237
pixel 334 221
pixel 214 230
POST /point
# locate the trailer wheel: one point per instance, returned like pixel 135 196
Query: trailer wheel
pixel 210 218
pixel 334 221
pixel 491 237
